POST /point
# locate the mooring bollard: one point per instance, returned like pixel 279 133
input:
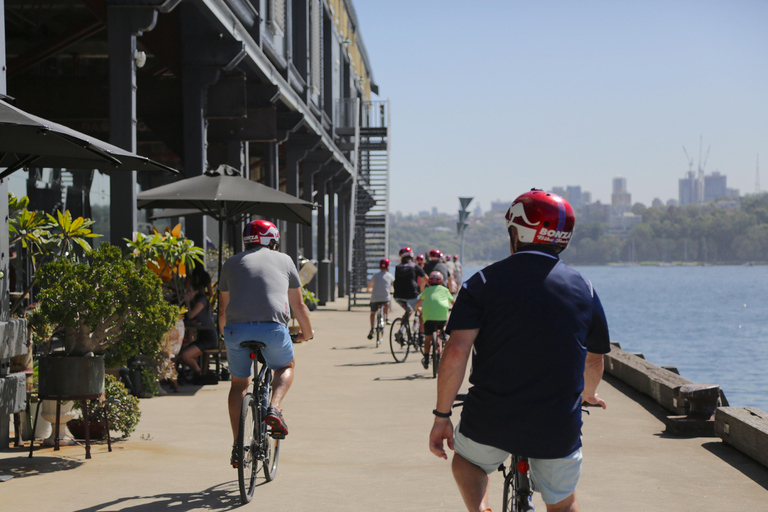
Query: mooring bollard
pixel 702 401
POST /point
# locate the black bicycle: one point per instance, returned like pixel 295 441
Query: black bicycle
pixel 404 337
pixel 438 342
pixel 256 449
pixel 517 481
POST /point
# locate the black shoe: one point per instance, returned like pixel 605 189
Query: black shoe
pixel 233 457
pixel 275 420
pixel 425 362
pixel 370 334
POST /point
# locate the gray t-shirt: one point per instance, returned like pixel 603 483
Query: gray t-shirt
pixel 382 286
pixel 258 281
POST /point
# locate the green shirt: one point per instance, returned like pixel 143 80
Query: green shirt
pixel 436 300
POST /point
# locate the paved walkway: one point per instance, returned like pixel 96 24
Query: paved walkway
pixel 359 425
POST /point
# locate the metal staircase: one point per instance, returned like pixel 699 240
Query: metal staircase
pixel 370 240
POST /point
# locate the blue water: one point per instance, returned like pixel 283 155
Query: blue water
pixel 709 322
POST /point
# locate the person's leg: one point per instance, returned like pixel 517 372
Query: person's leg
pixel 373 319
pixel 472 482
pixel 281 383
pixel 237 391
pixel 189 356
pixel 386 312
pixel 567 505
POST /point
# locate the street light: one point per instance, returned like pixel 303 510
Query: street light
pixel 461 226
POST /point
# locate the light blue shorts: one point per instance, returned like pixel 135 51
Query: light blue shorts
pixel 555 479
pixel 278 353
pixel 411 303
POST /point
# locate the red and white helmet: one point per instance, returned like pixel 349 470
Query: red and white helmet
pixel 260 232
pixel 406 251
pixel 384 263
pixel 542 218
pixel 435 277
pixel 435 254
pixel 420 258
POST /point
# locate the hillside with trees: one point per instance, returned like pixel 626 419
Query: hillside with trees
pixel 694 234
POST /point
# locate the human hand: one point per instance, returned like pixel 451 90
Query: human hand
pixel 595 400
pixel 442 429
pixel 300 336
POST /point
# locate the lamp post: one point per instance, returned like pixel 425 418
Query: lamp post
pixel 461 226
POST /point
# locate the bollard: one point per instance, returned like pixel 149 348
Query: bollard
pixel 702 400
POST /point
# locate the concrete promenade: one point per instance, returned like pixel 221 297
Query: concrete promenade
pixel 358 442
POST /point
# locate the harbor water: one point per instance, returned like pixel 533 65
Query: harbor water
pixel 709 322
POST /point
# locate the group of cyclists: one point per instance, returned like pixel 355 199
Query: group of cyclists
pixel 533 327
pixel 427 285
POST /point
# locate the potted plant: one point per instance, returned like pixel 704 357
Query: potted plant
pixel 124 412
pixel 104 307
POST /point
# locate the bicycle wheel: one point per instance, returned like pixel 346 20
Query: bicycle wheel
pixel 380 326
pixel 398 340
pixel 246 449
pixel 270 447
pixel 435 355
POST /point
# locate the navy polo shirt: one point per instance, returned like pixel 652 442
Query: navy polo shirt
pixel 537 318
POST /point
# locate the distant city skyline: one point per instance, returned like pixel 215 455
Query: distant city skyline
pixel 496 97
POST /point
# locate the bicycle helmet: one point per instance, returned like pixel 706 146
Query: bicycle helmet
pixel 420 258
pixel 542 218
pixel 434 254
pixel 435 277
pixel 260 232
pixel 406 251
pixel 384 263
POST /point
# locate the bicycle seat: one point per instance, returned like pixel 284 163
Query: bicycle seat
pixel 253 345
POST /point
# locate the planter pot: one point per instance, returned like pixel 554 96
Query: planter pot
pixel 71 376
pixel 77 427
pixel 48 411
pixel 42 430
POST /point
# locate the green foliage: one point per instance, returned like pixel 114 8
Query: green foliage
pixel 124 412
pixel 169 255
pixel 45 239
pixel 105 305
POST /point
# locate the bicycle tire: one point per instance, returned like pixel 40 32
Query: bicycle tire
pixel 399 340
pixel 435 355
pixel 270 447
pixel 246 447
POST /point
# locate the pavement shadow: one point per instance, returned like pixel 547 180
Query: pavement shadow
pixel 22 466
pixel 740 462
pixel 352 348
pixel 641 399
pixel 221 497
pixel 415 376
pixel 380 363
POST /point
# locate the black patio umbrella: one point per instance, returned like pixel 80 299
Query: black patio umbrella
pixel 225 195
pixel 27 140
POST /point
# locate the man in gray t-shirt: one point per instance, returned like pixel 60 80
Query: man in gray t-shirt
pixel 257 290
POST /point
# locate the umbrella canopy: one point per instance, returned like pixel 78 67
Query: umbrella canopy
pixel 224 197
pixel 30 141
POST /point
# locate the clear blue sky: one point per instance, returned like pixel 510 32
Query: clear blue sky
pixel 492 97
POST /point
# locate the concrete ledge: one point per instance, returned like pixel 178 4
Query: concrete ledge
pixel 659 383
pixel 13 394
pixel 13 337
pixel 744 428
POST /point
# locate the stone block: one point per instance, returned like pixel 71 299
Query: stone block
pixel 744 428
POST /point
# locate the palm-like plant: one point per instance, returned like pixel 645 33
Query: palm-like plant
pixel 45 238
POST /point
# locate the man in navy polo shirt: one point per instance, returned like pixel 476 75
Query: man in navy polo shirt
pixel 539 333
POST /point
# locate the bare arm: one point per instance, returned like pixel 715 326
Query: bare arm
pixel 296 302
pixel 223 303
pixel 593 373
pixel 453 366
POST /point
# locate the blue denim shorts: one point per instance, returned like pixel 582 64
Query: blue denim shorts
pixel 278 353
pixel 555 479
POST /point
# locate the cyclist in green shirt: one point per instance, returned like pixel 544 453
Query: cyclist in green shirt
pixel 434 303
